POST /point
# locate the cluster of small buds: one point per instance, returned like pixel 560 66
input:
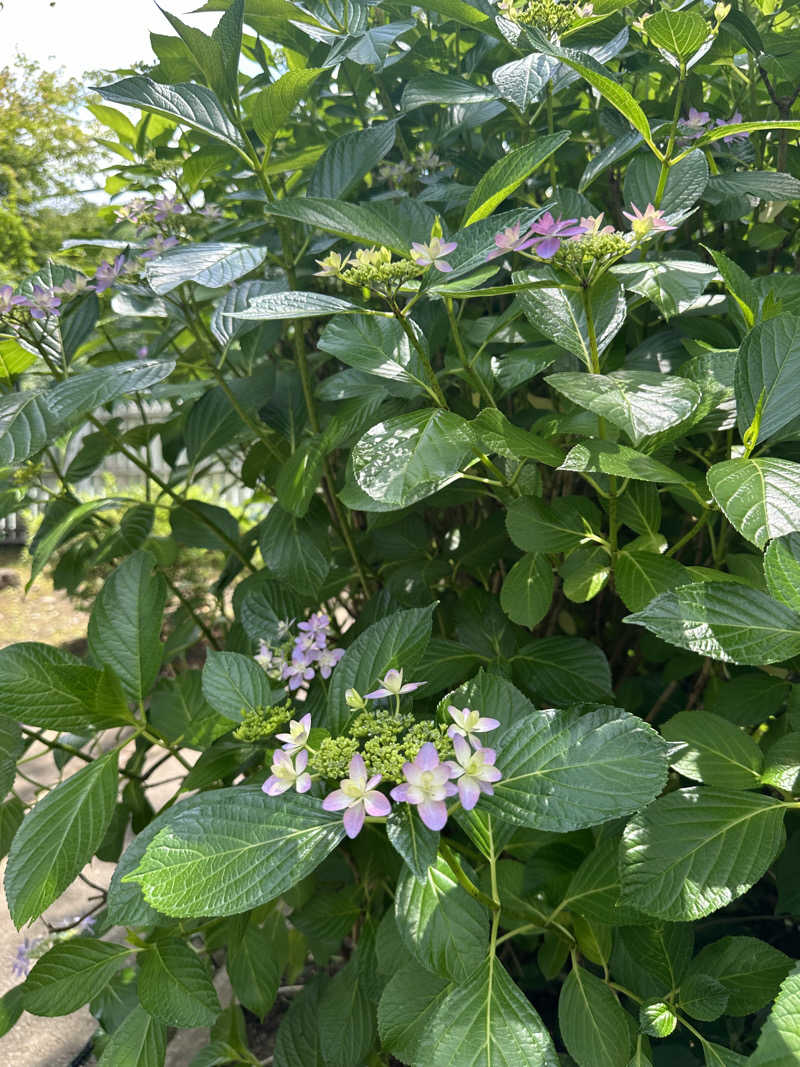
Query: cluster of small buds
pixel 597 246
pixel 259 724
pixel 298 661
pixel 548 15
pixel 373 268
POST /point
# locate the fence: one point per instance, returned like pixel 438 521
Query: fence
pixel 127 477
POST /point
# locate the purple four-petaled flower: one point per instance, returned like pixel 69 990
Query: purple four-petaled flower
pixel 551 232
pixel 474 772
pixel 357 797
pixel 393 686
pixel 511 240
pixel 287 772
pixel 427 785
pixel 297 737
pixel 432 254
pixel 467 723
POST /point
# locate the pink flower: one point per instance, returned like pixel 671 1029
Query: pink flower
pixel 357 797
pixel 318 623
pixel 393 686
pixel 694 126
pixel 287 773
pixel 297 738
pixel 298 671
pixel 735 118
pixel 8 300
pixel 474 770
pixel 427 785
pixel 166 206
pixel 552 232
pixel 432 254
pixel 43 302
pixel 327 659
pixel 593 224
pixel 467 723
pixel 643 223
pixel 510 240
pixel 107 273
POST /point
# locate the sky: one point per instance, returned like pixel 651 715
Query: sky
pixel 82 35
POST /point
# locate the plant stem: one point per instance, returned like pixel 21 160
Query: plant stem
pixel 458 873
pixel 666 162
pixel 469 370
pixel 551 129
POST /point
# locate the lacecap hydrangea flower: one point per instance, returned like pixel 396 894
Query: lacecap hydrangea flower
pixel 357 797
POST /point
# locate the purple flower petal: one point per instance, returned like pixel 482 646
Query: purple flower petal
pixel 273 786
pixel 547 248
pixel 427 757
pixel 376 803
pixel 469 793
pixel 354 820
pixel 433 813
pixel 336 801
pixel 303 783
pixel 400 793
pixel 358 768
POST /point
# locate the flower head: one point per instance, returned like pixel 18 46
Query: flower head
pixel 317 625
pixel 551 232
pixel 287 772
pixel 474 770
pixel 166 206
pixel 427 785
pixel 591 225
pixel 107 273
pixel 332 265
pixel 75 286
pixel 584 11
pixel 326 660
pixel 297 671
pixel 212 211
pixel 467 723
pixel 8 300
pixel 643 223
pixel 735 118
pixel 510 240
pixel 433 253
pixel 393 686
pixel 297 738
pixel 157 245
pixel 43 302
pixel 694 125
pixel 357 797
pixel 142 352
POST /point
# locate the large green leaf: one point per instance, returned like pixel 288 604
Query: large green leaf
pixel 409 457
pixel 139 1041
pixel 294 551
pixel 680 33
pixel 765 184
pixel 508 173
pixel 717 753
pixel 254 971
pixel 695 850
pixel 641 576
pixel 673 285
pixel 409 836
pixel 782 569
pixel 73 398
pixel 59 837
pixel 294 305
pixel 760 497
pixel 230 850
pixel 498 434
pixel 562 773
pixel 377 346
pixel 27 425
pixel 181 714
pixel 125 625
pixel 11 748
pixel 769 362
pixel 346 1018
pixel 233 684
pixel 175 985
pixel 750 969
pixel 596 1029
pixel 560 315
pixel 345 162
pixel 211 265
pixel 398 641
pixel 274 105
pixel 535 526
pixel 595 456
pixel 298 1040
pixel 724 620
pixel 641 403
pixel 559 671
pixel 14 359
pixel 51 688
pixel 779 1040
pixel 71 974
pixel 187 104
pixel 594 890
pixel 485 1022
pixel 433 88
pixel 444 928
pixel 359 222
pixel 528 590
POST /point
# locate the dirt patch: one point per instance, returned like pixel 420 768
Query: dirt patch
pixel 44 614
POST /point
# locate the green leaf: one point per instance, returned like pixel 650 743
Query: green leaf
pixel 175 985
pixel 585 572
pixel 344 163
pixel 294 305
pixel 184 103
pixel 695 850
pixel 558 671
pixel 604 457
pixel 359 222
pixel 686 184
pixel 459 11
pixel 662 950
pixel 528 590
pixel 499 435
pixel 298 1040
pixel 200 525
pixel 717 753
pixel 779 1040
pixel 10 1009
pixel 702 997
pixel 58 838
pixel 274 105
pixel 294 551
pixel 443 927
pixel 73 398
pixel 641 403
pixel 140 1041
pixel 596 1030
pixel 782 569
pixel 723 620
pixel 181 714
pixel 231 850
pixel 739 285
pixel 749 969
pixel 739 127
pixel 376 346
pixel 433 88
pixel 535 526
pixel 760 497
pixel 681 33
pixel 212 265
pixel 12 746
pixel 14 359
pixel 562 773
pixel 486 1021
pixel 398 641
pixel 672 285
pixel 642 576
pixel 594 890
pixel 27 425
pixel 125 625
pixel 11 815
pixel 769 362
pixel 50 542
pixel 782 764
pixel 559 313
pixel 493 694
pixel 346 1018
pixel 406 458
pixel 411 838
pixel 522 80
pixel 233 684
pixel 71 974
pixel 507 174
pixel 765 184
pixel 254 971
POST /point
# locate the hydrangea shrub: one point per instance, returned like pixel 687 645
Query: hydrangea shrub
pixel 493 756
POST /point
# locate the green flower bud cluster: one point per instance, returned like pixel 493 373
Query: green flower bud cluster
pixel 548 15
pixel 371 267
pixel 259 724
pixel 580 255
pixel 388 740
pixel 332 758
